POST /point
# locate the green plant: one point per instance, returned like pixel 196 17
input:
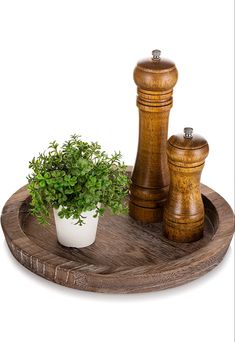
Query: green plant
pixel 75 178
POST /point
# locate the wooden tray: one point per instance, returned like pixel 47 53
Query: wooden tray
pixel 126 257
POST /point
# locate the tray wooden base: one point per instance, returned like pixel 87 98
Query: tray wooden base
pixel 126 257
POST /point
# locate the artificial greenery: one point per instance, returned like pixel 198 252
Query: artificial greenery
pixel 75 178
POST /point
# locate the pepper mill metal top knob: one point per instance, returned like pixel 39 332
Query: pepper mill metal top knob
pixel 156 54
pixel 155 78
pixel 184 209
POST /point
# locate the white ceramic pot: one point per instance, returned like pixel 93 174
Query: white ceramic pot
pixel 70 234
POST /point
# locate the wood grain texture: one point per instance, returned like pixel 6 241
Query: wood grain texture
pixel 127 257
pixel 150 179
pixel 184 210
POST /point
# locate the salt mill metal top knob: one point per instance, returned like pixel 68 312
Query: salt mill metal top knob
pixel 184 209
pixel 188 132
pixel 155 78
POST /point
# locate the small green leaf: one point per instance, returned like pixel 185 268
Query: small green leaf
pixel 42 184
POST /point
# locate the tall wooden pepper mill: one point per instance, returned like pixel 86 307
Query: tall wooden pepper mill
pixel 155 78
pixel 184 210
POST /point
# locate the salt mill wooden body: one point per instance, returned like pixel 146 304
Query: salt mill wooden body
pixel 155 78
pixel 184 209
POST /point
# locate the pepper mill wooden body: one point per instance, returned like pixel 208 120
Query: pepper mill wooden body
pixel 184 210
pixel 155 79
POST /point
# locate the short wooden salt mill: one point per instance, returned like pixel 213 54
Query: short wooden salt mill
pixel 155 78
pixel 184 210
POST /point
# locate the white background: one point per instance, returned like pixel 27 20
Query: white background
pixel 66 67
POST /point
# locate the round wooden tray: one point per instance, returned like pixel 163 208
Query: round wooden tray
pixel 126 257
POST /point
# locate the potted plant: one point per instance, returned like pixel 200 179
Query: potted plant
pixel 78 180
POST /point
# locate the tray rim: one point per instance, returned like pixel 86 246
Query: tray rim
pixel 213 253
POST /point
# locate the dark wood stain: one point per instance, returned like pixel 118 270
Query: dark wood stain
pixel 126 257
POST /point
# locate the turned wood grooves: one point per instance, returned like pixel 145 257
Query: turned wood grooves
pixel 127 257
pixel 184 209
pixel 155 80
